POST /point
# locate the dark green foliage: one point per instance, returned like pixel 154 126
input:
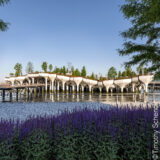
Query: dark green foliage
pixel 112 73
pixel 18 69
pixel 85 147
pixel 83 71
pixel 3 25
pixel 104 134
pixel 44 66
pixel 37 146
pixel 144 16
pixel 7 151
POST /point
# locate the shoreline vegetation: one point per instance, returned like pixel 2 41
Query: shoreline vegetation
pixel 118 133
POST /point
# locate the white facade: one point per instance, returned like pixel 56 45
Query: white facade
pixel 55 82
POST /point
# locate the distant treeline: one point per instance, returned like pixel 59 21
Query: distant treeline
pixel 71 70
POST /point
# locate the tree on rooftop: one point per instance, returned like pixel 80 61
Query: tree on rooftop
pixel 119 74
pixel 50 67
pixel 44 66
pixel 144 16
pixel 18 69
pixel 83 71
pixel 29 68
pixel 3 25
pixel 112 73
pixel 77 72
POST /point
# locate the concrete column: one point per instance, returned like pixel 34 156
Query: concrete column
pixel 67 88
pixel 133 86
pixel 46 83
pixel 63 86
pixel 52 85
pixel 73 88
pixel 111 90
pixel 107 89
pixel 122 89
pixel 100 90
pixel 77 87
pixel 57 86
pixel 146 88
pixel 32 80
pixel 90 88
pixel 82 88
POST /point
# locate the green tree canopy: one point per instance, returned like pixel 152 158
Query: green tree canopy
pixel 83 71
pixel 18 69
pixel 144 16
pixel 119 74
pixel 50 67
pixel 77 72
pixel 44 66
pixel 3 25
pixel 112 73
pixel 29 68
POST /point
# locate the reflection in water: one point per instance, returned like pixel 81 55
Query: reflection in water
pixel 85 97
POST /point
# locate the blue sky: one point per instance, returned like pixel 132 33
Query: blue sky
pixel 83 32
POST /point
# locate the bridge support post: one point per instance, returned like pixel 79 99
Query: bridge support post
pixel 17 94
pixel 46 86
pixel 122 89
pixel 82 89
pixel 3 95
pixel 107 89
pixel 90 88
pixel 67 88
pixel 133 87
pixel 73 88
pixel 146 88
pixel 100 90
pixel 63 86
pixel 77 88
pixel 52 86
pixel 57 86
pixel 10 94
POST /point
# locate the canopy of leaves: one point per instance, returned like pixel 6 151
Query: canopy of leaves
pixel 112 73
pixel 18 69
pixel 50 67
pixel 144 16
pixel 83 71
pixel 44 66
pixel 3 25
pixel 29 68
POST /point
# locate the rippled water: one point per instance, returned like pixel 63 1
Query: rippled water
pixel 86 97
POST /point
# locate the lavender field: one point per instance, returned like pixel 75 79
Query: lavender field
pixel 83 132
